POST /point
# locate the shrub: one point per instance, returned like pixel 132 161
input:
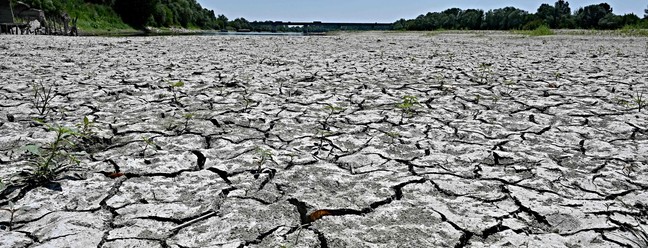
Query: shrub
pixel 540 31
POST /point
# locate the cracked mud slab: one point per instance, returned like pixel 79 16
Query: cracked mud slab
pixel 299 141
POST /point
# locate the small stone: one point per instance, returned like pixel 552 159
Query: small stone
pixel 10 118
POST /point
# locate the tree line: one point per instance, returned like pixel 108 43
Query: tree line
pixel 559 15
pixel 139 13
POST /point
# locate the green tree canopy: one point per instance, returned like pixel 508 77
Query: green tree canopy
pixel 589 16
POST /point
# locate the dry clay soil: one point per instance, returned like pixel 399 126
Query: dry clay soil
pixel 310 141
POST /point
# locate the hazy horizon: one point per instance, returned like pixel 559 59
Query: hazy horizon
pixel 380 10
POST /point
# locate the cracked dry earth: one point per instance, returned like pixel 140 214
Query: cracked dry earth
pixel 300 141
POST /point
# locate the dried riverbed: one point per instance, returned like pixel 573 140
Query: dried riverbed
pixel 514 141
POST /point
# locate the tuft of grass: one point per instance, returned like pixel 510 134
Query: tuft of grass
pixel 539 31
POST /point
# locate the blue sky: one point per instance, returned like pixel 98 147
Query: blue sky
pixel 380 10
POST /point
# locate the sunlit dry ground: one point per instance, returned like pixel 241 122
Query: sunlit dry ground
pixel 363 140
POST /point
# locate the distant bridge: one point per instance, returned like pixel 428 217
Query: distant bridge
pixel 336 25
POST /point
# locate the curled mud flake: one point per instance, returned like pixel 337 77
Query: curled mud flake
pixel 114 175
pixel 318 214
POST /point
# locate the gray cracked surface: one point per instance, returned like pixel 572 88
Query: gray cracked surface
pixel 537 149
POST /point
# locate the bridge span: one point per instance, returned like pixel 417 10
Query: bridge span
pixel 335 25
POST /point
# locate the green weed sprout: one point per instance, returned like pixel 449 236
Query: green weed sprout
pixel 42 98
pixel 393 135
pixel 484 73
pixel 12 209
pixel 148 144
pixel 639 101
pixel 331 110
pixel 263 156
pixel 85 127
pixel 174 88
pixel 187 117
pixel 56 158
pixel 247 102
pixel 408 104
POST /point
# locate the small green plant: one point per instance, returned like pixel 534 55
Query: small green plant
pixel 393 135
pixel 56 158
pixel 85 127
pixel 451 56
pixel 331 110
pixel 601 50
pixel 175 87
pixel 639 101
pixel 262 156
pixel 408 104
pixel 557 75
pixel 149 143
pixel 484 73
pixel 42 98
pixel 12 210
pixel 187 117
pixel 441 80
pixel 247 102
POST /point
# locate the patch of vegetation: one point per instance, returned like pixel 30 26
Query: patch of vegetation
pixel 52 158
pixel 539 31
pixel 633 30
pixel 96 18
pixel 393 135
pixel 101 16
pixel 637 101
pixel 408 104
